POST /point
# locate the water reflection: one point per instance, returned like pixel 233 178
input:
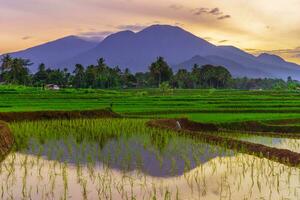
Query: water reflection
pixel 280 143
pixel 237 177
pixel 173 158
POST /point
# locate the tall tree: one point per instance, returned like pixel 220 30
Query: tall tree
pixel 79 76
pixel 183 79
pixel 196 76
pixel 17 71
pixel 66 77
pixel 223 77
pixel 41 76
pixel 6 62
pixel 129 79
pixel 160 71
pixel 56 76
pixel 91 76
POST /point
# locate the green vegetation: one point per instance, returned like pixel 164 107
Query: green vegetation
pixel 199 105
pixel 102 76
pixel 124 159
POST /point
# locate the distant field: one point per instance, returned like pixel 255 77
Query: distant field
pixel 198 105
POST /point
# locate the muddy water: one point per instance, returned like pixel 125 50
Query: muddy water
pixel 129 168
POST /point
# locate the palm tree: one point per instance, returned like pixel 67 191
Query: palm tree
pixel 6 62
pixel 160 70
pixel 79 78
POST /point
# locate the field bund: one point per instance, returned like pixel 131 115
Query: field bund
pixel 6 139
pixel 194 129
pixel 48 115
pixel 6 136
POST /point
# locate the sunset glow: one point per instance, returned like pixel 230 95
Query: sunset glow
pixel 255 26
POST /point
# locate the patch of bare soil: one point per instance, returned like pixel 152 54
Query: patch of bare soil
pixel 6 139
pixel 284 121
pixel 256 126
pixel 197 130
pixel 44 115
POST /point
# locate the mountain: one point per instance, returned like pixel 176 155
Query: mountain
pixel 241 63
pixel 138 50
pixel 269 58
pixel 236 69
pixel 52 53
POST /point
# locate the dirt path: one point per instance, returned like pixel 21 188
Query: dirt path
pixel 198 130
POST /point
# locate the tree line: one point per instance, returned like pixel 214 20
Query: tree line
pixel 159 74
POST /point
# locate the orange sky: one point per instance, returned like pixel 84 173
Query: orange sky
pixel 253 25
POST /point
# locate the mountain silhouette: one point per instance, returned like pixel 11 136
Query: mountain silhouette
pixel 137 51
pixel 52 53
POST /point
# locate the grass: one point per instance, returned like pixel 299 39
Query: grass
pixel 124 159
pixel 199 105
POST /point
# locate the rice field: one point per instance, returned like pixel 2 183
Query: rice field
pixel 199 105
pixel 124 158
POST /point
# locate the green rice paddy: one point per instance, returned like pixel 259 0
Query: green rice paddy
pixel 198 105
pixel 123 158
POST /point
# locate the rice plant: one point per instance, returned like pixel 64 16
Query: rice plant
pixel 124 159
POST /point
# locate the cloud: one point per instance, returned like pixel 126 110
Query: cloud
pixel 132 27
pixel 200 11
pixel 208 11
pixel 297 56
pixel 215 11
pixel 179 24
pixel 224 17
pixel 211 11
pixel 176 7
pixel 223 41
pixel 26 37
pixel 95 35
pixel 286 53
pixel 293 53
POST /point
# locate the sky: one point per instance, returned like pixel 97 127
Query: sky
pixel 253 25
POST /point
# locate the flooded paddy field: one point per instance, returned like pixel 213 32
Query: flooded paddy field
pixel 125 159
pixel 277 142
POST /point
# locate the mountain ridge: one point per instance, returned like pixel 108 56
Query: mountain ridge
pixel 137 50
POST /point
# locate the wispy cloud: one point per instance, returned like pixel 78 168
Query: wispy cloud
pixel 286 53
pixel 95 35
pixel 200 11
pixel 222 41
pixel 26 37
pixel 176 6
pixel 215 11
pixel 132 27
pixel 224 17
pixel 211 11
pixel 293 52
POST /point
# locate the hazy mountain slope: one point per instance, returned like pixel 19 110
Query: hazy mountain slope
pixel 266 69
pixel 138 50
pixel 236 69
pixel 53 53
